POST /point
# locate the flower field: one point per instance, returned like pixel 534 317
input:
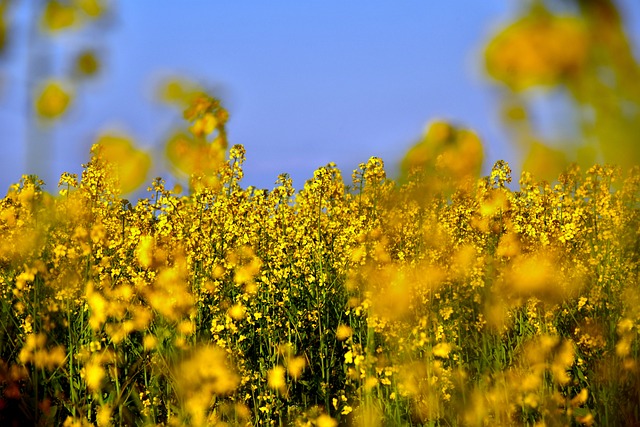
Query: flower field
pixel 439 299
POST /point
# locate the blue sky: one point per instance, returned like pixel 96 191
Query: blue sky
pixel 306 83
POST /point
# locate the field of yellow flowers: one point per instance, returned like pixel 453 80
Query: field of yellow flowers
pixel 442 299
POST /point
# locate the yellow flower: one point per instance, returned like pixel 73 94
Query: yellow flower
pixel 189 155
pixel 98 306
pixel 93 375
pixel 348 357
pixel 91 8
pixel 87 63
pixel 444 149
pixel 103 417
pixel 275 378
pixel 131 164
pixel 237 311
pixel 58 16
pixel 325 420
pixel 295 366
pixel 53 100
pixel 343 332
pixel 144 251
pixel 347 410
pixel 149 342
pixel 442 350
pixel 204 125
pixel 534 51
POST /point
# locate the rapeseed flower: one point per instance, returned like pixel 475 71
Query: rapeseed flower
pixel 53 100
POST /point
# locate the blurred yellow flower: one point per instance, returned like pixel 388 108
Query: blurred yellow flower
pixel 149 342
pixel 93 375
pixel 325 420
pixel 144 251
pixel 92 8
pixel 103 417
pixel 445 149
pixel 190 155
pixel 58 16
pixel 53 100
pixel 295 366
pixel 442 350
pixel 131 164
pixel 87 63
pixel 3 26
pixel 237 311
pixel 343 332
pixel 204 125
pixel 537 50
pixel 545 162
pixel 508 245
pixel 208 371
pixel 275 378
pixel 179 91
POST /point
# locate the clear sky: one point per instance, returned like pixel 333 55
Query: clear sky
pixel 306 82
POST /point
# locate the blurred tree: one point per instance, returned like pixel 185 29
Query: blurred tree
pixel 581 50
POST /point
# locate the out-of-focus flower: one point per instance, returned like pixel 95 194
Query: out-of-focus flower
pixel 295 366
pixel 275 378
pixel 93 375
pixel 179 91
pixel 58 16
pixel 87 64
pixel 91 8
pixel 442 350
pixel 537 50
pixel 343 332
pixel 325 420
pixel 190 155
pixel 131 164
pixel 53 100
pixel 545 162
pixel 3 26
pixel 445 149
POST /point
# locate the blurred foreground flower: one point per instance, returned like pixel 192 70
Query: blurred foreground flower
pixel 58 16
pixel 447 150
pixel 91 8
pixel 179 91
pixel 537 50
pixel 131 163
pixel 53 100
pixel 189 155
pixel 87 64
pixel 544 162
pixel 202 377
